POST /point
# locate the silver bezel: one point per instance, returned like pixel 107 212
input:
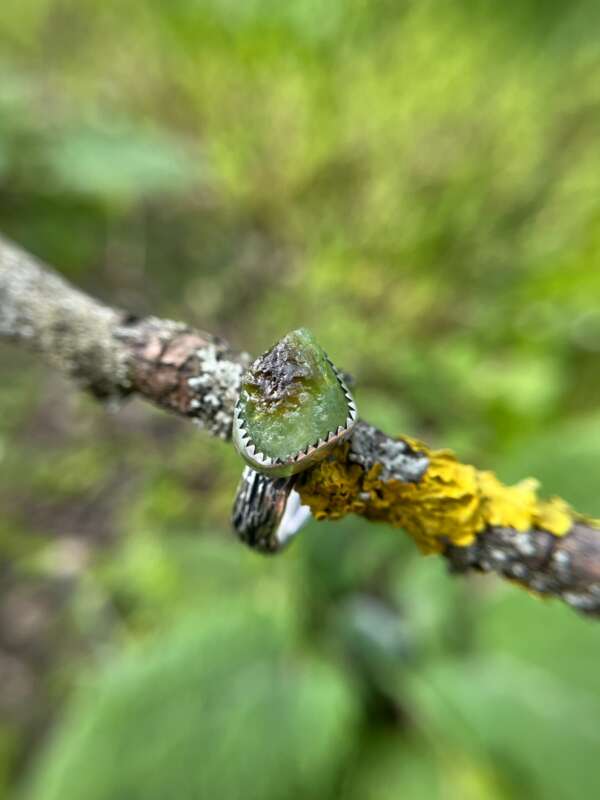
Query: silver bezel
pixel 303 459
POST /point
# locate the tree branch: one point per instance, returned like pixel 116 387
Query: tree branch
pixel 113 354
pixel 450 508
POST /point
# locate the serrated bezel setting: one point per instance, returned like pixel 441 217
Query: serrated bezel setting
pixel 303 459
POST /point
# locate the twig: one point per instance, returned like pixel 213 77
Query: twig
pixel 450 508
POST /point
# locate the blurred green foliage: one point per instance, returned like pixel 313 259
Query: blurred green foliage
pixel 418 183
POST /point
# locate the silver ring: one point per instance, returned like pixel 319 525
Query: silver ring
pixel 267 512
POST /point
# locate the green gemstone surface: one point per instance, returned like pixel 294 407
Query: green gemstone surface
pixel 290 397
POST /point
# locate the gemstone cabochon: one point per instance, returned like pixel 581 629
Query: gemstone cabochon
pixel 291 397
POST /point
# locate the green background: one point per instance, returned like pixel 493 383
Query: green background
pixel 419 184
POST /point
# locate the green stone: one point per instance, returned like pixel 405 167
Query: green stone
pixel 291 397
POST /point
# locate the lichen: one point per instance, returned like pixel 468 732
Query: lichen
pixel 451 504
pixel 216 389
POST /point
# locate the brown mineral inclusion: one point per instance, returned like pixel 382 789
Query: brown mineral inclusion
pixel 291 397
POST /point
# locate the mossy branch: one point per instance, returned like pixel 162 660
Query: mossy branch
pixel 453 509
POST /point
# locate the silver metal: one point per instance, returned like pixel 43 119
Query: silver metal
pixel 267 512
pixel 303 459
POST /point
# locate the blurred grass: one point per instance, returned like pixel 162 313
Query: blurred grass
pixel 419 183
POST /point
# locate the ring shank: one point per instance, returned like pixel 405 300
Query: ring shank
pixel 262 516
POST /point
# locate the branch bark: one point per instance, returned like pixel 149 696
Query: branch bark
pixel 446 506
pixel 113 354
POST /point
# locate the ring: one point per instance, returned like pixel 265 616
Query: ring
pixel 267 512
pixel 293 409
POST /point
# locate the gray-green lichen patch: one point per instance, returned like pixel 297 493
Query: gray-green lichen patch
pixel 216 389
pixel 396 458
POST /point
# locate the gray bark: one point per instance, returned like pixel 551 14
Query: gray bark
pixel 112 354
pixel 73 332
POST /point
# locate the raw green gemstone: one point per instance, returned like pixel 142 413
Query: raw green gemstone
pixel 290 397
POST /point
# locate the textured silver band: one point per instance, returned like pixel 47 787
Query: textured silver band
pixel 267 512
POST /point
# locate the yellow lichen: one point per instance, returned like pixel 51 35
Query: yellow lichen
pixel 452 502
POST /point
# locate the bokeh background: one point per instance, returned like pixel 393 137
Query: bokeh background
pixel 419 183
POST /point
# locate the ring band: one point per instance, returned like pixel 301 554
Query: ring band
pixel 267 512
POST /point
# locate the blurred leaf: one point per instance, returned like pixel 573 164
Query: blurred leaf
pixel 219 707
pixel 413 767
pixel 156 577
pixel 127 163
pixel 4 159
pixel 521 704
